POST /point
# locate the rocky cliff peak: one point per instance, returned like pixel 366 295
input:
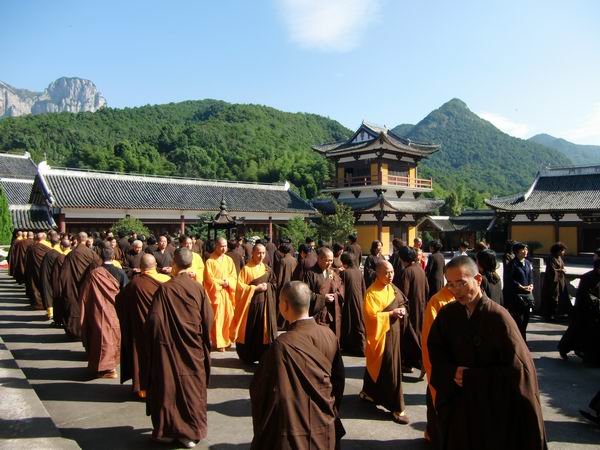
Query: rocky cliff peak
pixel 63 95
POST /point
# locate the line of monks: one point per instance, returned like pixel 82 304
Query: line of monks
pixel 158 311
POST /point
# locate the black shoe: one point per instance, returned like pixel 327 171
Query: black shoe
pixel 590 417
pixel 563 355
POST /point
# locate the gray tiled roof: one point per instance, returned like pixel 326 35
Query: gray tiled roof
pixel 17 191
pixel 71 188
pixel 562 189
pixel 31 218
pixel 17 166
pixel 420 206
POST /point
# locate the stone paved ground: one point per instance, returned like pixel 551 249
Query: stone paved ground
pixel 103 414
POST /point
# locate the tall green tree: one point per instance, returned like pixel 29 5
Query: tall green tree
pixel 6 227
pixel 296 230
pixel 130 224
pixel 337 226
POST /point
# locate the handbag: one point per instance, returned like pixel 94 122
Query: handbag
pixel 527 301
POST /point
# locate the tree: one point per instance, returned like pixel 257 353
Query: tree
pixel 130 224
pixel 337 226
pixel 6 228
pixel 296 230
pixel 452 207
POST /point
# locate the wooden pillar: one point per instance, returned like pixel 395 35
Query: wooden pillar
pixel 271 228
pixel 62 226
pixel 182 225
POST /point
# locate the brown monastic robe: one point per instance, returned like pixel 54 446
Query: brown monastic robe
pixel 73 271
pixel 297 390
pixel 353 328
pixel 18 259
pixel 356 251
pixel 284 270
pixel 304 266
pixel 498 407
pixel 46 278
pixel 33 264
pixel 100 329
pixel 178 336
pixel 435 272
pixel 413 284
pixel 57 296
pixel 133 304
pixel 131 261
pixel 271 249
pixel 324 312
pixel 238 261
pixel 370 268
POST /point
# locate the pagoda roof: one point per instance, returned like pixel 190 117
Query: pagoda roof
pixel 371 137
pixel 415 206
pixel 560 189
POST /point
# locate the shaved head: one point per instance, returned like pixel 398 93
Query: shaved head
pixel 385 272
pixel 82 237
pixel 30 235
pixel 183 258
pixel 65 243
pixel 40 236
pixel 148 262
pixel 54 237
pixel 296 295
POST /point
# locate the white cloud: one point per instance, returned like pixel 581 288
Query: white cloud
pixel 588 132
pixel 519 130
pixel 332 25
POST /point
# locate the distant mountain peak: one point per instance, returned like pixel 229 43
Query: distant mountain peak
pixel 579 154
pixel 66 94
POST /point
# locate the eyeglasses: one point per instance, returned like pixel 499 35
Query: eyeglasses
pixel 455 285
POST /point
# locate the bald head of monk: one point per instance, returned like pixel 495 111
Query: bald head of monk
pixel 148 262
pixel 19 234
pixel 385 272
pixel 258 253
pixel 82 237
pixel 294 301
pixel 30 235
pixel 65 243
pixel 324 258
pixel 220 246
pixel 183 258
pixel 40 236
pixel 53 237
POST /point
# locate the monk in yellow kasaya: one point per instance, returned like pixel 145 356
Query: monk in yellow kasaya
pixel 254 325
pixel 384 309
pixel 220 279
pixel 435 303
pixel 196 271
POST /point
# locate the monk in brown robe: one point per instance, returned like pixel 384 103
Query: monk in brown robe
pixel 254 325
pixel 353 328
pixel 354 249
pixel 298 386
pixel 236 257
pixel 11 252
pixel 18 257
pixel 50 258
pixel 80 260
pixel 100 328
pixel 132 259
pixel 33 264
pixel 307 258
pixel 435 267
pixel 55 288
pixel 413 284
pixel 178 339
pixel 384 309
pixel 284 266
pixel 327 299
pixel 133 305
pixel 486 385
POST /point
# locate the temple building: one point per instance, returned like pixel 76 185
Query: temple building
pixel 376 176
pixel 93 201
pixel 562 204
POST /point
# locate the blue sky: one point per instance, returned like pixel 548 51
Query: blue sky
pixel 527 66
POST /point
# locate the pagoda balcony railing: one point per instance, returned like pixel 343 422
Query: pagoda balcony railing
pixel 388 180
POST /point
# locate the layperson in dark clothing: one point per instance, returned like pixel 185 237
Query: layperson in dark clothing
pixel 520 299
pixel 555 298
pixel 435 267
pixel 371 262
pixel 490 282
pixel 583 334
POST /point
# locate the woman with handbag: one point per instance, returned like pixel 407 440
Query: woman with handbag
pixel 521 300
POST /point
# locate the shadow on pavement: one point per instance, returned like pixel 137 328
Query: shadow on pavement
pixel 34 354
pixel 34 427
pixel 84 392
pixel 233 408
pixel 572 432
pixel 229 381
pixel 125 437
pixel 412 444
pixel 58 373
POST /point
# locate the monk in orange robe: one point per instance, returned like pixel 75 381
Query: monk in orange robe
pixel 435 303
pixel 254 324
pixel 197 269
pixel 384 308
pixel 220 279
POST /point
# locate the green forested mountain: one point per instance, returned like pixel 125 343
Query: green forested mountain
pixel 476 160
pixel 203 139
pixel 579 154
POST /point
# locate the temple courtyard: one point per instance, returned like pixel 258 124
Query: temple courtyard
pixel 48 400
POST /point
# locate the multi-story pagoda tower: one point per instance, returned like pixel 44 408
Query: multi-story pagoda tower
pixel 376 176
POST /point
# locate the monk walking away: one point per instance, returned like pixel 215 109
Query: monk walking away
pixel 220 278
pixel 487 394
pixel 254 325
pixel 384 310
pixel 297 389
pixel 178 342
pixel 100 329
pixel 133 305
pixel 353 327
